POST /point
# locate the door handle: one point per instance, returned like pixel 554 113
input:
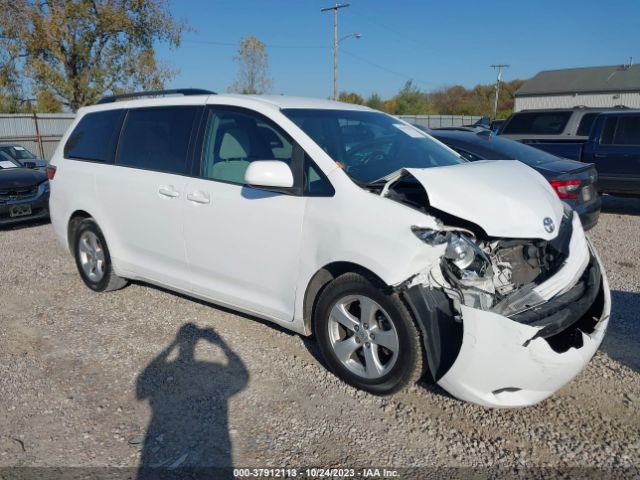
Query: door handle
pixel 600 155
pixel 168 191
pixel 198 197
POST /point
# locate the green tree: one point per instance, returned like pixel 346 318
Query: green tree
pixel 253 67
pixel 411 101
pixel 351 97
pixel 375 102
pixel 46 102
pixel 11 103
pixel 81 49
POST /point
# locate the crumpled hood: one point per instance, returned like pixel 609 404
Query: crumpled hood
pixel 504 197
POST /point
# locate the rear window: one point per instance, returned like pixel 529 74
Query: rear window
pixel 95 136
pixel 157 139
pixel 584 129
pixel 537 123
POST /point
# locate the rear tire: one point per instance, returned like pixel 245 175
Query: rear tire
pixel 93 260
pixel 367 337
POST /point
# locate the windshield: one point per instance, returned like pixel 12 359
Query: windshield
pixel 18 153
pixel 371 145
pixel 7 162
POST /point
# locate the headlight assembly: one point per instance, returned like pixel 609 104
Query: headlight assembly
pixel 460 251
pixel 464 256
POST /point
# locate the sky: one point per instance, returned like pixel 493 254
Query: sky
pixel 434 43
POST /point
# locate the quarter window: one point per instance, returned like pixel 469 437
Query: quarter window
pixel 95 136
pixel 157 139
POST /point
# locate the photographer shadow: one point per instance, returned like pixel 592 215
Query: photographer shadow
pixel 188 435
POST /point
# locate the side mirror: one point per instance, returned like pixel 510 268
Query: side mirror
pixel 268 173
pixel 29 164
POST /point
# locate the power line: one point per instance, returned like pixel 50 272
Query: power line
pixel 236 44
pixel 353 55
pixel 391 30
pixel 388 70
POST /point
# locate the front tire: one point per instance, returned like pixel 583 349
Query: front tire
pixel 367 337
pixel 93 260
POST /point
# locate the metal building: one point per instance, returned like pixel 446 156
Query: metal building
pixel 589 86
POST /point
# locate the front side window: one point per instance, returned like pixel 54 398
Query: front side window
pixel 157 139
pixel 234 138
pixel 95 136
pixel 537 123
pixel 370 145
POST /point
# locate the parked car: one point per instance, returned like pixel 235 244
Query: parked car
pixel 555 130
pixel 24 192
pixel 21 154
pixel 574 182
pixel 391 250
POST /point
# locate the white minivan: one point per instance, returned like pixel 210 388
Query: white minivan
pixel 342 222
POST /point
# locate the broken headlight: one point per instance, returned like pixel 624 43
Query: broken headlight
pixel 462 253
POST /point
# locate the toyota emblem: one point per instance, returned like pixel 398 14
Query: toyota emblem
pixel 549 226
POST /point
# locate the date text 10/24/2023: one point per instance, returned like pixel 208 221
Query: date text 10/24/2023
pixel 315 473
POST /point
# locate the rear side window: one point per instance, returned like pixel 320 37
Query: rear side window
pixel 628 131
pixel 584 129
pixel 537 123
pixel 95 137
pixel 157 139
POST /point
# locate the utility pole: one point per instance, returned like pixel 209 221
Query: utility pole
pixel 335 9
pixel 499 67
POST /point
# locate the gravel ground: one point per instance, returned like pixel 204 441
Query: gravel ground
pixel 144 376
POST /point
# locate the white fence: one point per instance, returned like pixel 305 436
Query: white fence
pixel 438 121
pixel 41 132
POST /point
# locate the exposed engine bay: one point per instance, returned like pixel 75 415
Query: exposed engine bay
pixel 476 270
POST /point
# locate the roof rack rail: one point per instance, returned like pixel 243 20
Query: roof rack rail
pixel 155 93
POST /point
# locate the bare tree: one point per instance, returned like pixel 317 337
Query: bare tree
pixel 253 67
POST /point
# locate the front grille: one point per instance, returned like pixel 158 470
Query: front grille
pixel 21 193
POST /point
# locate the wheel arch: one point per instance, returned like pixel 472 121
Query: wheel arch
pixel 72 225
pixel 323 277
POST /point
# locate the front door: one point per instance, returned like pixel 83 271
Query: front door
pixel 243 243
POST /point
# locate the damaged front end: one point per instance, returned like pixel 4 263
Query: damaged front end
pixel 507 321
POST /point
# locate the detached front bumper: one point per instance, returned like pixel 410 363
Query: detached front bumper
pixel 500 361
